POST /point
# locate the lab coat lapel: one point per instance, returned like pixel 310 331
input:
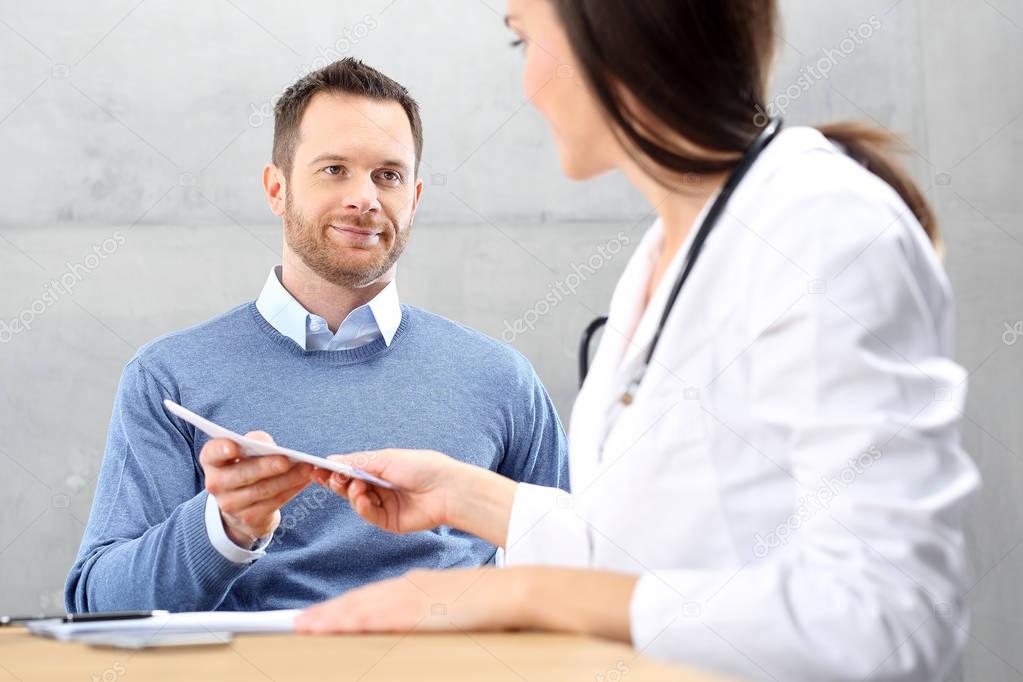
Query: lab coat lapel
pixel 594 409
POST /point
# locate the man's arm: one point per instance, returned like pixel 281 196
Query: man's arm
pixel 538 448
pixel 146 545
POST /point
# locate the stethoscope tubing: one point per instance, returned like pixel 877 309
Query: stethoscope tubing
pixel 750 157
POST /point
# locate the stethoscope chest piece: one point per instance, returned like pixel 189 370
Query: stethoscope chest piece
pixel 629 396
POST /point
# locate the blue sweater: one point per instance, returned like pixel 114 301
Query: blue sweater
pixel 438 386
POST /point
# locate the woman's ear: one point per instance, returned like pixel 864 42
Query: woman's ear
pixel 275 188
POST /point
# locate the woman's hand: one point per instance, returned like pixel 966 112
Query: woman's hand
pixel 480 599
pixel 432 490
pixel 422 477
pixel 454 599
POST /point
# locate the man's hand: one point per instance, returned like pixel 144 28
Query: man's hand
pixel 250 491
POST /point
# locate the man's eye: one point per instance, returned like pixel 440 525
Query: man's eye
pixel 390 176
pixel 332 170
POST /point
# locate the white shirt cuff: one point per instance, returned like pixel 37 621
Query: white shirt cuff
pixel 225 545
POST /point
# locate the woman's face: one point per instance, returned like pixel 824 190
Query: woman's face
pixel 556 87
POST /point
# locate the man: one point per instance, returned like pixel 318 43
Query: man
pixel 326 360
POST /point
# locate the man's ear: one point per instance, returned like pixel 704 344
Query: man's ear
pixel 416 195
pixel 275 188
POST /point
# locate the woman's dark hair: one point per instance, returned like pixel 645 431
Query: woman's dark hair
pixel 700 70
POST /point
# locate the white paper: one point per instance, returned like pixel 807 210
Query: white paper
pixel 257 448
pixel 136 641
pixel 174 623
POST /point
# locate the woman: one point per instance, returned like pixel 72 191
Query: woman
pixel 779 493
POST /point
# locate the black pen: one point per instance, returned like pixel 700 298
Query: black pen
pixel 110 615
pixel 82 617
pixel 18 620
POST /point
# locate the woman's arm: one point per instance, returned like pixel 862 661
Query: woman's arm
pixel 480 502
pixel 576 600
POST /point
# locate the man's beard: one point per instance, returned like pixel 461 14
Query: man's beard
pixel 310 241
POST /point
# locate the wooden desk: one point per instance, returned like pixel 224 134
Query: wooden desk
pixel 278 658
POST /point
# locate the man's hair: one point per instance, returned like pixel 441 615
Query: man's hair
pixel 346 77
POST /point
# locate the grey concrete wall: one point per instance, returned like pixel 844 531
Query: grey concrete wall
pixel 147 123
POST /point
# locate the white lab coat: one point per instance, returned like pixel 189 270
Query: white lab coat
pixel 788 483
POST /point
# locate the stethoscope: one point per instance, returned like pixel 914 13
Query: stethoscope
pixel 713 214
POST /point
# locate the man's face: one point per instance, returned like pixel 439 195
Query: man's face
pixel 352 194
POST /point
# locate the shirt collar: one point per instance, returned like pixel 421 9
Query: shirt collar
pixel 291 319
pixel 387 310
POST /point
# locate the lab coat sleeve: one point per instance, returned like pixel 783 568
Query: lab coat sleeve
pixel 855 380
pixel 545 529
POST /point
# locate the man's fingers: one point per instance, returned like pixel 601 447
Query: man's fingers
pixel 287 495
pixel 260 436
pixel 268 507
pixel 218 452
pixel 254 469
pixel 264 490
pixel 246 472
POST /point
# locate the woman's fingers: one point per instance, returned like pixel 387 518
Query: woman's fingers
pixel 360 490
pixel 408 469
pixel 321 618
pixel 371 461
pixel 368 512
pixel 406 603
pixel 375 506
pixel 339 483
pixel 420 479
pixel 377 607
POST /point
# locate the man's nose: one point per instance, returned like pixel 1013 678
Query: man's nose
pixel 362 196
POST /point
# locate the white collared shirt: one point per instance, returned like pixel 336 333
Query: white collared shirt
pixel 377 319
pixel 788 483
